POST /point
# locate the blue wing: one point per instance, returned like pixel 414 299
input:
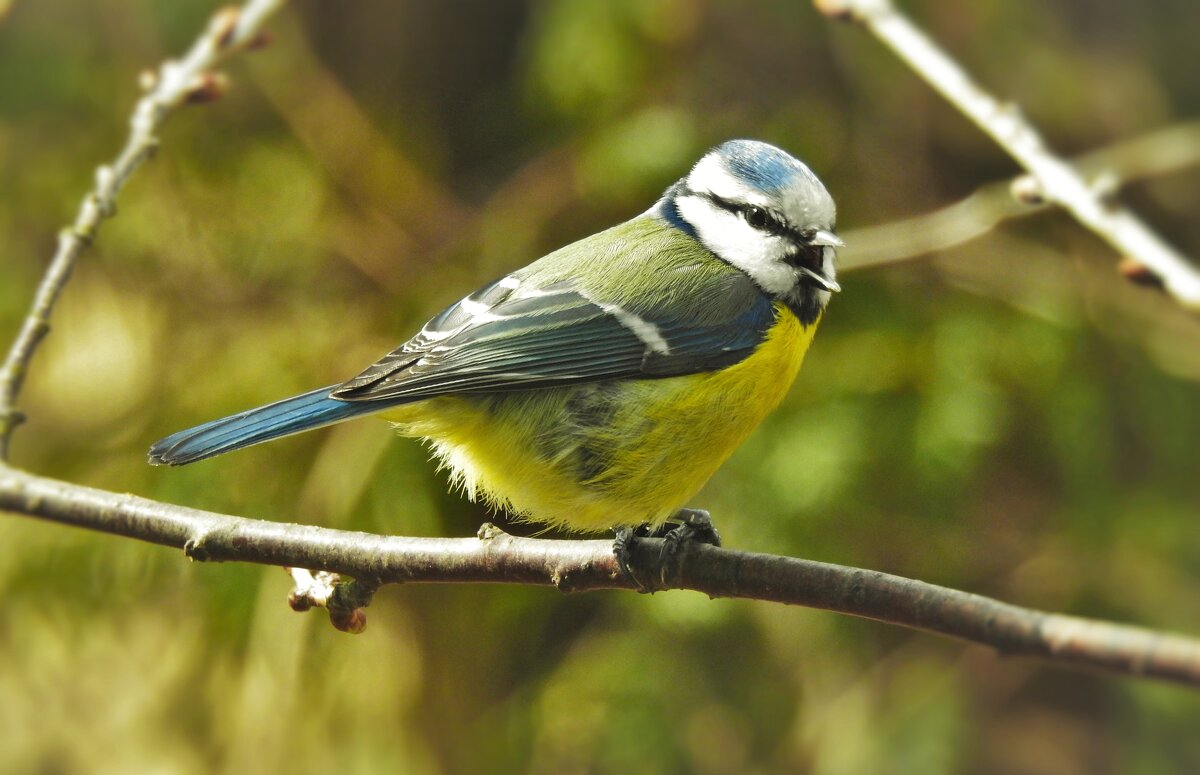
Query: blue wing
pixel 282 418
pixel 500 339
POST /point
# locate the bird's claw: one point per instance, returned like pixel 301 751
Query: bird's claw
pixel 687 526
pixel 623 551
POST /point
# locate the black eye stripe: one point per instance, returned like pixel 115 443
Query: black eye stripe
pixel 758 217
pixel 773 224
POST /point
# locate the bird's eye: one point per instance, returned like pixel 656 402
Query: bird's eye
pixel 757 217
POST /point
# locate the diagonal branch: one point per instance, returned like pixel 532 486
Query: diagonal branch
pixel 1056 180
pixel 1156 153
pixel 578 565
pixel 176 83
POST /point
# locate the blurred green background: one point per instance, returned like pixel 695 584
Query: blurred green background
pixel 1008 418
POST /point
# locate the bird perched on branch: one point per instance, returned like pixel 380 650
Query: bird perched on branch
pixel 602 385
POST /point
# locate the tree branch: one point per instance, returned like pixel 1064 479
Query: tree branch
pixel 176 83
pixel 1056 180
pixel 1160 152
pixel 581 565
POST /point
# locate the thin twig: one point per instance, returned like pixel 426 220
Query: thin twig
pixel 1057 181
pixel 176 83
pixel 1161 152
pixel 576 565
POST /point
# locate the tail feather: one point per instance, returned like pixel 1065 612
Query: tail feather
pixel 282 418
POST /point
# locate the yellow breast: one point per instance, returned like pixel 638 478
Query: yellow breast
pixel 665 437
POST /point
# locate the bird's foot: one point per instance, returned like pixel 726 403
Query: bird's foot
pixel 686 527
pixel 626 538
pixel 694 525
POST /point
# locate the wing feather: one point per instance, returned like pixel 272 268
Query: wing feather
pixel 508 337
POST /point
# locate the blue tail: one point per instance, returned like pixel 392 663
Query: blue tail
pixel 282 418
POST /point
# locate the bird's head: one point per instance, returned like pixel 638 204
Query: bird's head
pixel 763 211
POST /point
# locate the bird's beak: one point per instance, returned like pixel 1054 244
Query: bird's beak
pixel 820 280
pixel 827 239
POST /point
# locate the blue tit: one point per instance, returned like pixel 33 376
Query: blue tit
pixel 603 384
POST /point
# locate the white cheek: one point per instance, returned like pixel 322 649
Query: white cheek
pixel 730 237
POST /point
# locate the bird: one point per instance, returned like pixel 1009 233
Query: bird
pixel 601 386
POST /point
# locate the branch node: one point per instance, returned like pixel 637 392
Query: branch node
pixel 224 25
pixel 206 87
pixel 566 578
pixel 352 621
pixel 310 589
pixel 147 80
pixel 842 10
pixel 89 215
pixel 1105 186
pixel 1008 121
pixel 1139 274
pixel 853 10
pixel 194 548
pixel 1028 191
pixel 103 205
pixel 345 600
pixel 488 532
pixel 355 593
